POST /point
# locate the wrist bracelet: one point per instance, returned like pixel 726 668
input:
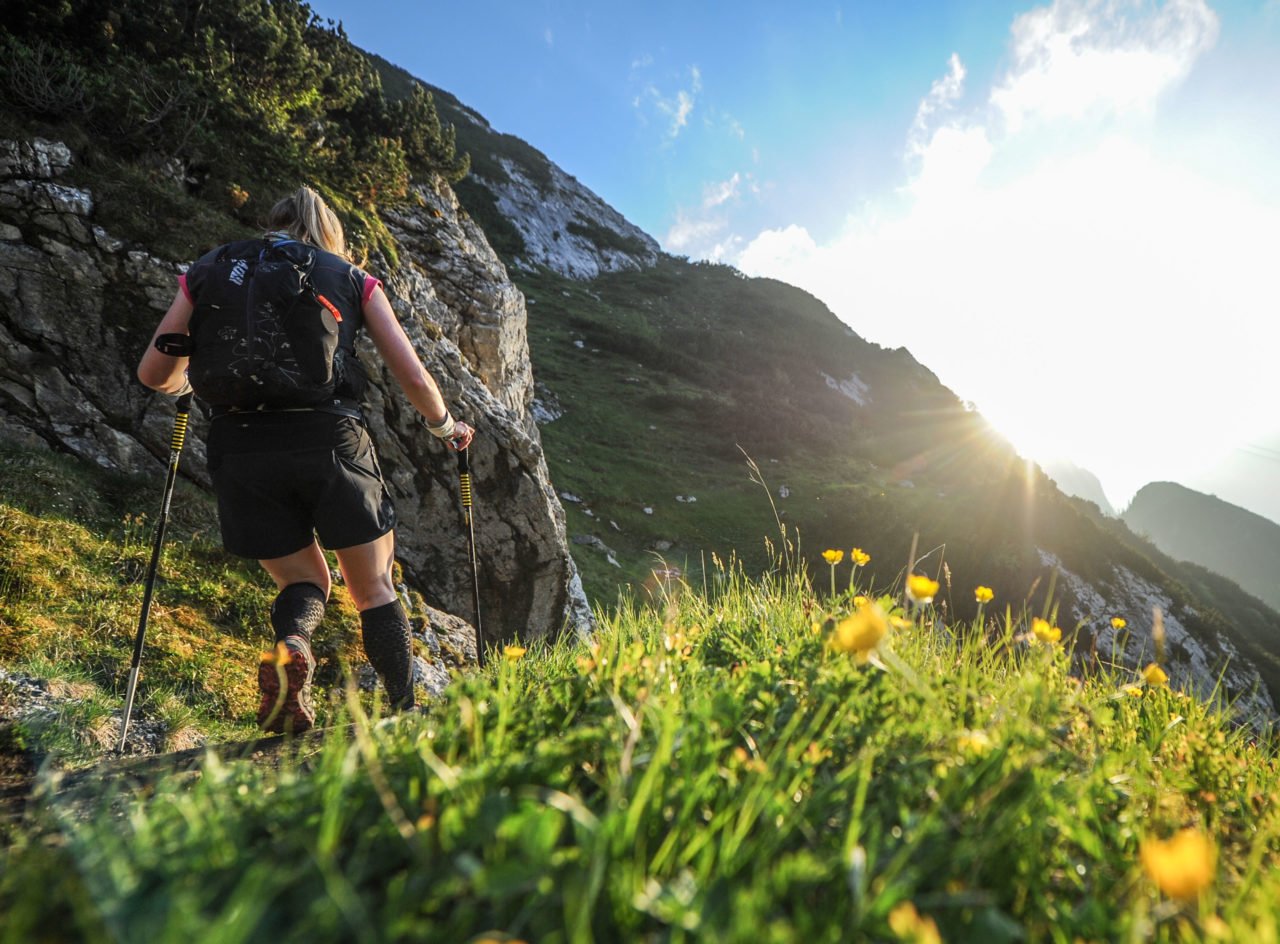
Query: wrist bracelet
pixel 445 429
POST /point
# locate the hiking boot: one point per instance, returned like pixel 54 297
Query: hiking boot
pixel 290 711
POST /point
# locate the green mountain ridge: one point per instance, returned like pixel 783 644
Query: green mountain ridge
pixel 1192 526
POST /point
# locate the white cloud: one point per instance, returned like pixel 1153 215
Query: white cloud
pixel 716 194
pixel 704 233
pixel 676 108
pixel 680 114
pixel 1081 56
pixel 548 37
pixel 1053 261
pixel 950 164
pixel 787 249
pixel 686 233
pixel 942 94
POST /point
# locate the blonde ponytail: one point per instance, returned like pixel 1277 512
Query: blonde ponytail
pixel 305 216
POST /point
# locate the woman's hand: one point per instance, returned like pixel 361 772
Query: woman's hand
pixel 462 436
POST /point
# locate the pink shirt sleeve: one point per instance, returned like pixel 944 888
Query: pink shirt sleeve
pixel 370 283
pixel 182 284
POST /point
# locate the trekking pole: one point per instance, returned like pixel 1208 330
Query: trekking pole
pixel 464 486
pixel 175 450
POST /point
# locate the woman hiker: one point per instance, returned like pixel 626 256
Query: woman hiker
pixel 286 474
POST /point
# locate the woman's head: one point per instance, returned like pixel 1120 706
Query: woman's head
pixel 305 216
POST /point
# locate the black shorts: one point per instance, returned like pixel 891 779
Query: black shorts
pixel 283 478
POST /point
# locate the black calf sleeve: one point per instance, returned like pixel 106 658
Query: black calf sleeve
pixel 297 611
pixel 388 644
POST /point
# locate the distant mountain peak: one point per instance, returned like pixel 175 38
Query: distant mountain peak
pixel 1192 526
pixel 1081 483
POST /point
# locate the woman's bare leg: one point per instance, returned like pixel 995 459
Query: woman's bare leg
pixel 384 625
pixel 305 566
pixel 366 570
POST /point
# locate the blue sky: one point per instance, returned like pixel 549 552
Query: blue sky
pixel 1069 209
pixel 798 98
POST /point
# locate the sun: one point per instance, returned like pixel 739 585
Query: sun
pixel 1033 433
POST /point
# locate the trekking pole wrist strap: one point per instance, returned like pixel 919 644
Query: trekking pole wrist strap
pixel 445 429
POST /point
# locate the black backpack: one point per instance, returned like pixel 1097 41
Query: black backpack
pixel 262 336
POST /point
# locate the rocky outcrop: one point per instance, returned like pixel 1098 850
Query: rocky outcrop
pixel 567 227
pixel 1209 666
pixel 77 306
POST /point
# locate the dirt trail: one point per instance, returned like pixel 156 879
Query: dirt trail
pixel 23 788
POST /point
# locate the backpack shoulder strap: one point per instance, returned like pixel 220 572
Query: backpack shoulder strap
pixel 242 249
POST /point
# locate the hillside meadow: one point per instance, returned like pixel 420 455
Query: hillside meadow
pixel 745 761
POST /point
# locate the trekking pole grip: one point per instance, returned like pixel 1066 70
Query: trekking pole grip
pixel 464 477
pixel 180 423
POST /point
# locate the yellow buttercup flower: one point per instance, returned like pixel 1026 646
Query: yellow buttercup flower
pixel 1155 676
pixel 907 924
pixel 859 557
pixel 1118 623
pixel 832 556
pixel 921 589
pixel 860 633
pixel 513 653
pixel 1044 632
pixel 984 594
pixel 1181 866
pixel 816 753
pixel 1133 691
pixel 973 742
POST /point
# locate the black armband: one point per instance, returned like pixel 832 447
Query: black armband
pixel 174 345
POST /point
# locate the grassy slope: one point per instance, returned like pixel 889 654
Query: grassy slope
pixel 681 364
pixel 667 385
pixel 708 769
pixel 75 543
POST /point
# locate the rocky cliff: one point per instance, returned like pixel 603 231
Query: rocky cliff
pixel 1206 664
pixel 561 223
pixel 77 304
pixel 565 226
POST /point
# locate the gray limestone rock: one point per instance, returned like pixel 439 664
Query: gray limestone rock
pixel 76 311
